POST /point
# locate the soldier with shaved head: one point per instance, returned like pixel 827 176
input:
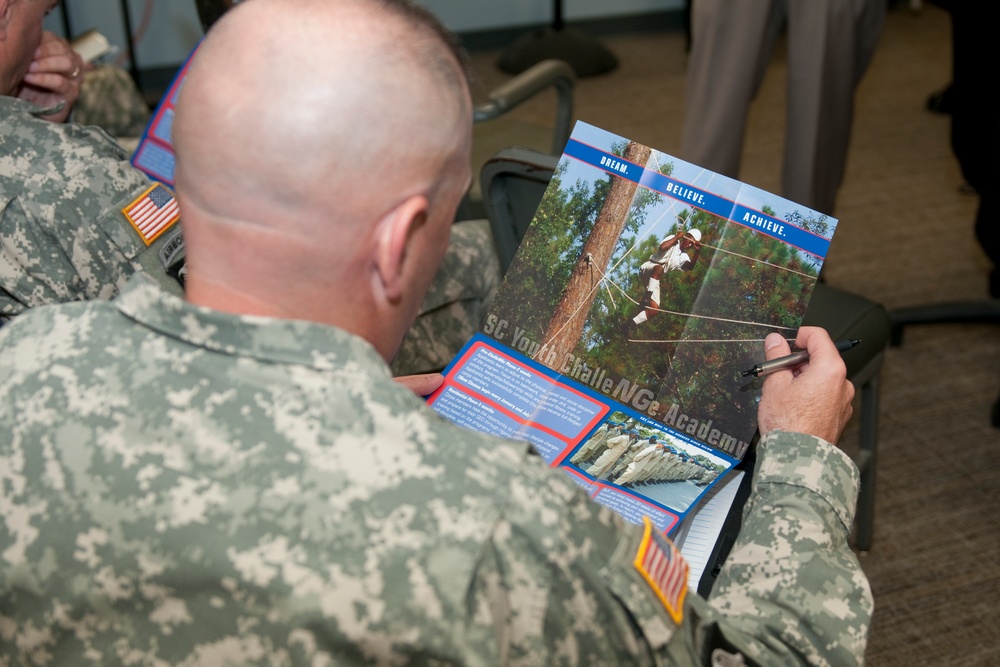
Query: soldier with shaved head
pixel 233 477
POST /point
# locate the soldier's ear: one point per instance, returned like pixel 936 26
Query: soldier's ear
pixel 396 234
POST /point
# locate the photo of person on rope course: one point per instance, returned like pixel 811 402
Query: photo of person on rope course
pixel 671 255
pixel 576 299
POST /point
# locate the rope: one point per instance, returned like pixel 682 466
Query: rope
pixel 754 259
pixel 590 264
pixel 611 296
pixel 604 277
pixel 719 319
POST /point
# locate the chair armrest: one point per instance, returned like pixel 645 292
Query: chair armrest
pixel 529 83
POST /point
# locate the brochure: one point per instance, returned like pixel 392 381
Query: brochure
pixel 154 154
pixel 619 340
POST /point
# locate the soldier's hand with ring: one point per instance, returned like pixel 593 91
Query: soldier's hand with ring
pixel 53 77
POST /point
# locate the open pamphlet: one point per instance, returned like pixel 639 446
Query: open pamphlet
pixel 619 340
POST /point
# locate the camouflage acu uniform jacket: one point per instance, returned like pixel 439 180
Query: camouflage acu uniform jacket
pixel 63 233
pixel 110 99
pixel 183 486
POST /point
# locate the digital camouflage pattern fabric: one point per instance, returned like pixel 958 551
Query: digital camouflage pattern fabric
pixel 184 486
pixel 110 100
pixel 456 302
pixel 63 236
pixel 799 515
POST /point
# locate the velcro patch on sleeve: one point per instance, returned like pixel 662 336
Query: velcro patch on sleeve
pixel 660 563
pixel 153 212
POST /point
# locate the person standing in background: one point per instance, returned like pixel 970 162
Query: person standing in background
pixel 830 44
pixel 975 133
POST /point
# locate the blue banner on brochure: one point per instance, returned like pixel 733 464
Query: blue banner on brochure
pixel 725 208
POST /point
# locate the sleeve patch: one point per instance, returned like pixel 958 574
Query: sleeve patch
pixel 660 563
pixel 153 213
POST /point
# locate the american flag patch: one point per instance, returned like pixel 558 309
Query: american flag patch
pixel 660 563
pixel 153 212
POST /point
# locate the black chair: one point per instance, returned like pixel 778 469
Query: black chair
pixel 554 74
pixel 513 182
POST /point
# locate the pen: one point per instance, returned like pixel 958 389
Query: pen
pixel 794 359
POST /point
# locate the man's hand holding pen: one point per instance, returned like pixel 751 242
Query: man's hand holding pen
pixel 794 359
pixel 814 397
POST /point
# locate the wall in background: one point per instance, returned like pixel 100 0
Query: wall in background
pixel 167 30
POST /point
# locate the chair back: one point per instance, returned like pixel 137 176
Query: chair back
pixel 512 183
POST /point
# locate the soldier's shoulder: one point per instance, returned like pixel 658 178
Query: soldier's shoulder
pixel 506 461
pixel 65 322
pixel 33 145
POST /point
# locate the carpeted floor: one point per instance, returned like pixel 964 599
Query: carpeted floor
pixel 905 238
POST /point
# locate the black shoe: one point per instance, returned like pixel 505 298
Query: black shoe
pixel 645 300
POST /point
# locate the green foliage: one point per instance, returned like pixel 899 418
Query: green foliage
pixel 546 256
pixel 817 225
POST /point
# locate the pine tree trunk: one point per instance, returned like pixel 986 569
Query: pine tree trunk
pixel 566 326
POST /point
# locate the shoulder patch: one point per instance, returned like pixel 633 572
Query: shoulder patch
pixel 153 212
pixel 172 249
pixel 660 563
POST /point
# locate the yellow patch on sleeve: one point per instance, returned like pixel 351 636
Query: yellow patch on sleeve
pixel 153 212
pixel 663 567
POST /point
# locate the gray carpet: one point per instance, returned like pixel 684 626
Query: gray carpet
pixel 905 238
